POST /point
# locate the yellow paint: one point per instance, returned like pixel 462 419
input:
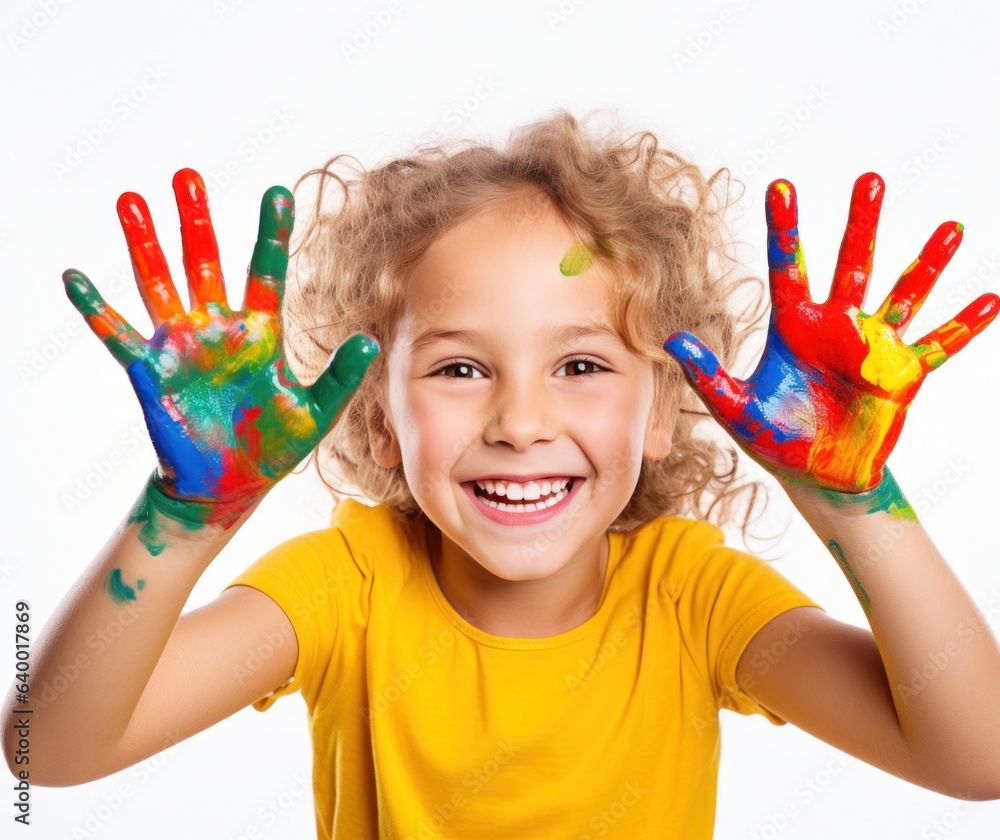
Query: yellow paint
pixel 845 459
pixel 576 260
pixel 890 364
pixel 955 334
pixel 892 310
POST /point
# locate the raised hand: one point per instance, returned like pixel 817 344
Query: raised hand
pixel 225 412
pixel 828 398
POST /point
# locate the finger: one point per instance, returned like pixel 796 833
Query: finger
pixel 201 252
pixel 717 388
pixel 266 280
pixel 913 286
pixel 939 345
pixel 150 266
pixel 125 344
pixel 857 249
pixel 333 390
pixel 785 258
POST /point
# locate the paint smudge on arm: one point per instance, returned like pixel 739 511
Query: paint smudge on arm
pixel 120 591
pixel 859 590
pixel 886 496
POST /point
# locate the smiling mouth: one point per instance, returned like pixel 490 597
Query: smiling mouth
pixel 495 495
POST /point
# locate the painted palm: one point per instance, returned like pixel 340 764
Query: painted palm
pixel 225 412
pixel 828 398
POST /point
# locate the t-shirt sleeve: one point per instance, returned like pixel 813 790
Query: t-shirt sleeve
pixel 323 589
pixel 727 596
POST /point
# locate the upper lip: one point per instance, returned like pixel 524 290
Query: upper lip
pixel 522 479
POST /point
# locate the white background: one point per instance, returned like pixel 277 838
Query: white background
pixel 817 93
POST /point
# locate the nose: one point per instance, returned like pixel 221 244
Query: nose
pixel 521 414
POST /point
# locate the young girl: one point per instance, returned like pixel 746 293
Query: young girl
pixel 532 632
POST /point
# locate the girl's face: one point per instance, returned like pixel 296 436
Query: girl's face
pixel 503 368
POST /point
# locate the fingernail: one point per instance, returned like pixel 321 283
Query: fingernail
pixel 352 360
pixel 77 289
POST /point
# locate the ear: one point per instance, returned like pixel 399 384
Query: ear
pixel 660 429
pixel 382 436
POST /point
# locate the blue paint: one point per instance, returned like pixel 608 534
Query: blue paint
pixel 197 473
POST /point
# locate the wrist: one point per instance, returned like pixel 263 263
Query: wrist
pixel 196 514
pixel 163 518
pixel 886 496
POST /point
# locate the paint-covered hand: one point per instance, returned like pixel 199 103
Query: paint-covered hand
pixel 827 401
pixel 225 412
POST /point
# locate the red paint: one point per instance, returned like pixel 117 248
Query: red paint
pixel 829 396
pixel 201 251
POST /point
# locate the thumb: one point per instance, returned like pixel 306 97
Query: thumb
pixel 720 392
pixel 333 390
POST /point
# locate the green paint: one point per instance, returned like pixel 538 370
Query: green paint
pixel 82 293
pixel 140 583
pixel 935 356
pixel 859 590
pixel 576 260
pixel 888 498
pixel 119 591
pixel 894 315
pixel 885 497
pixel 153 506
pixel 270 253
pixel 149 534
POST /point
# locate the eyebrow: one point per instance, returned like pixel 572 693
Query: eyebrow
pixel 559 335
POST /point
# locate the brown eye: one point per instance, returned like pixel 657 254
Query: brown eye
pixel 461 370
pixel 582 367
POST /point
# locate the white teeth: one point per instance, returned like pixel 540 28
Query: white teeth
pixel 516 492
pixel 518 508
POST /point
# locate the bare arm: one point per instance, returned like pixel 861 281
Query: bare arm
pixel 117 678
pixel 917 695
pixel 822 412
pixel 228 419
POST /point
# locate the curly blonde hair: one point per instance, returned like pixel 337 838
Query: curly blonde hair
pixel 652 220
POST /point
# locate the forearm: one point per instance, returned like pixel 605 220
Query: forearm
pixel 941 660
pixel 95 655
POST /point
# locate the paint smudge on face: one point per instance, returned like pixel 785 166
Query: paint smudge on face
pixel 576 260
pixel 119 591
pixel 859 590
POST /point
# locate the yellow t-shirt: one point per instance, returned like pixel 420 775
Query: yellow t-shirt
pixel 423 726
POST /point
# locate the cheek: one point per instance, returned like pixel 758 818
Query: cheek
pixel 615 427
pixel 436 434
